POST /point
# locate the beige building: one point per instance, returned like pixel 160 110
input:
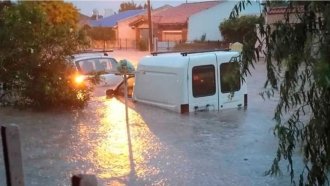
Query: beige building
pixel 133 30
pixel 126 36
pixel 277 14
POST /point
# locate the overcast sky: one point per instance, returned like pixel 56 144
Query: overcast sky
pixel 86 6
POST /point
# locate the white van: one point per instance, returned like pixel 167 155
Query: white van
pixel 190 82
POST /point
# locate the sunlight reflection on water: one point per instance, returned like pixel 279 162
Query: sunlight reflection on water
pixel 110 151
pixel 232 147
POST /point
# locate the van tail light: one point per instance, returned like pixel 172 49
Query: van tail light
pixel 245 100
pixel 184 108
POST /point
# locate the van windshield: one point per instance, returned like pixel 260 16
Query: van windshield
pixel 96 65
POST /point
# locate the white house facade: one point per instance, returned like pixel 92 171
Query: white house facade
pixel 207 22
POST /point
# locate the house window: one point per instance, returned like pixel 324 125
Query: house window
pixel 203 80
pixel 230 78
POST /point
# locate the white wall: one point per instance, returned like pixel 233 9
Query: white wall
pixel 125 34
pixel 125 31
pixel 208 21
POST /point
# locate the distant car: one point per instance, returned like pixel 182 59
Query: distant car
pixel 90 65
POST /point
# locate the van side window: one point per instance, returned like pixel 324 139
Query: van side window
pixel 230 78
pixel 203 80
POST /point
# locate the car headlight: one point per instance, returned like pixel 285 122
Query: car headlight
pixel 79 79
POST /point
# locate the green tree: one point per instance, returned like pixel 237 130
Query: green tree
pixel 298 69
pixel 235 30
pixel 124 6
pixel 101 33
pixel 59 12
pixel 33 55
pixel 4 4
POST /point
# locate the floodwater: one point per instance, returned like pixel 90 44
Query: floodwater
pixel 157 147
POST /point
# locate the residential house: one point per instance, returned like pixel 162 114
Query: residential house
pixel 112 22
pixel 83 19
pixel 276 14
pixel 184 23
pixel 135 29
pixel 170 23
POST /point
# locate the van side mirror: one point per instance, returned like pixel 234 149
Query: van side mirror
pixel 109 93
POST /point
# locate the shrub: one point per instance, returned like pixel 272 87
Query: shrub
pixel 35 43
pixel 101 33
pixel 238 29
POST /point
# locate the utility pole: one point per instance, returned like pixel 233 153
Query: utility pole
pixel 150 27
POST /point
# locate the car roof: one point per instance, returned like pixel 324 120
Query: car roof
pixel 82 56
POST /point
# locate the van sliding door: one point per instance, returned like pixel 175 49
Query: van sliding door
pixel 203 82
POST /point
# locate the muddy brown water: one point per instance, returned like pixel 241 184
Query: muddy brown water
pixel 158 147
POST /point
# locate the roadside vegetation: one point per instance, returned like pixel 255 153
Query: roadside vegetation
pixel 131 5
pixel 101 34
pixel 36 39
pixel 298 69
pixel 240 29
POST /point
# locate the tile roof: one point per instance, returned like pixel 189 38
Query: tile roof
pixel 84 19
pixel 111 21
pixel 144 17
pixel 181 13
pixel 282 10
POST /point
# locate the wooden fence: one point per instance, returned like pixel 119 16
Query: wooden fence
pixel 13 160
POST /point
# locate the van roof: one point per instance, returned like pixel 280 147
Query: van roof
pixel 177 60
pixel 185 53
pixel 174 60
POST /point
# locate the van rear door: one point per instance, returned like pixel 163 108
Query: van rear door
pixel 203 82
pixel 231 88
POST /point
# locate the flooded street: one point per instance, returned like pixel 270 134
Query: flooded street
pixel 158 147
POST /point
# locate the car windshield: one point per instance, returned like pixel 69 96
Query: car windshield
pixel 96 65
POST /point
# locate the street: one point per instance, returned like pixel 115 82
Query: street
pixel 158 147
